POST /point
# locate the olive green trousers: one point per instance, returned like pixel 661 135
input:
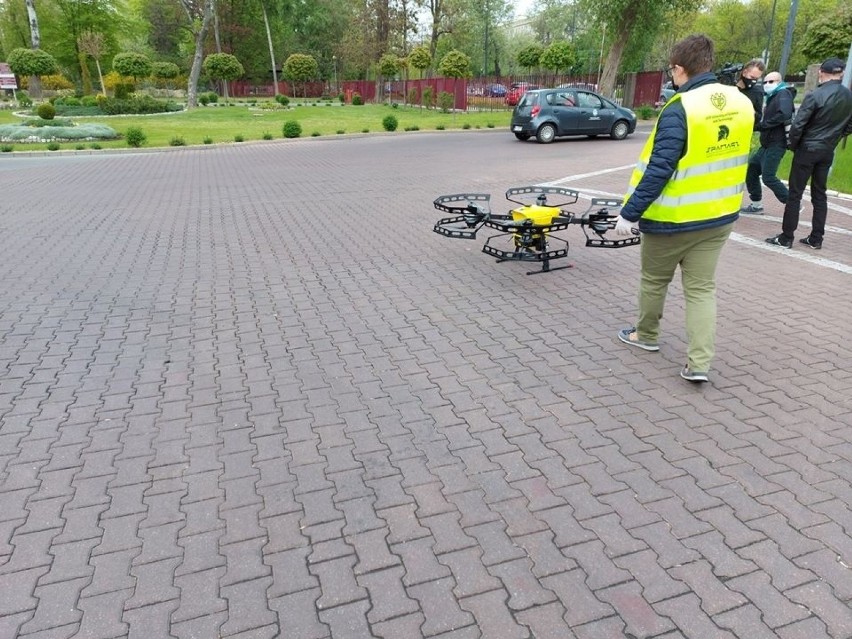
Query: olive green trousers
pixel 697 253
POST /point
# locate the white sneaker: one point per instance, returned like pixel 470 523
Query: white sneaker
pixel 755 208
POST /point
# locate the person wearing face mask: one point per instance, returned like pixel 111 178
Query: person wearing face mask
pixel 684 197
pixel 773 143
pixel 749 85
pixel 824 117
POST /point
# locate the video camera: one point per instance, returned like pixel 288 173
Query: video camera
pixel 730 73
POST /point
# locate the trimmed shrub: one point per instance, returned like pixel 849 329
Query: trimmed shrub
pixel 389 122
pixel 445 101
pixel 316 134
pixel 340 131
pixel 427 97
pixel 412 95
pixel 282 99
pixel 56 82
pixel 357 100
pixel 53 146
pixel 135 137
pixel 7 148
pixel 292 129
pixel 46 111
pixel 466 125
pixel 79 147
pixel 89 101
pixel 177 141
pixel 239 138
pixel 123 90
pixel 267 136
pixel 208 140
pixel 646 112
pixel 95 146
pixel 440 127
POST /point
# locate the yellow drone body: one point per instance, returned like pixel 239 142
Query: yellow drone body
pixel 537 214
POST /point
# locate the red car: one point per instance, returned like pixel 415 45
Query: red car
pixel 517 90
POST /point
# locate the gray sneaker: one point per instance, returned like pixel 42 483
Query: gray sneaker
pixel 694 376
pixel 755 208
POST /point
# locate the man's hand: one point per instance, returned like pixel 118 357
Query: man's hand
pixel 626 227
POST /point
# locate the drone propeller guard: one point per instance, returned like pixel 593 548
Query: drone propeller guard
pixel 531 226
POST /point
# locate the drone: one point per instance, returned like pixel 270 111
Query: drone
pixel 530 228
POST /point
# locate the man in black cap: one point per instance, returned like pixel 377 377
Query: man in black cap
pixel 824 117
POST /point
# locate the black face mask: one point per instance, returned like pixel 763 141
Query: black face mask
pixel 748 82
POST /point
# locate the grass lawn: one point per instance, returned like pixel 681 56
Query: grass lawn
pixel 225 123
pixel 840 178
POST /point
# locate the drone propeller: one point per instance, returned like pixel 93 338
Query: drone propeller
pixel 600 217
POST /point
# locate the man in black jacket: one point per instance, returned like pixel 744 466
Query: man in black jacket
pixel 773 143
pixel 749 85
pixel 824 117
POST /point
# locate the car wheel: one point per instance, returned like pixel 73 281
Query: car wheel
pixel 546 133
pixel 522 136
pixel 619 130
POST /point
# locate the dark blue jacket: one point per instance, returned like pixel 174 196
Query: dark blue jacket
pixel 777 114
pixel 669 148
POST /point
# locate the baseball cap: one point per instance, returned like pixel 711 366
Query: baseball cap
pixel 832 65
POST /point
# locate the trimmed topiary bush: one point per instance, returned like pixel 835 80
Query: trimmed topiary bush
pixel 282 99
pixel 292 129
pixel 357 100
pixel 390 123
pixel 135 137
pixel 46 111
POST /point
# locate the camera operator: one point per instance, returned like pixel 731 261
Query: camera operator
pixel 749 85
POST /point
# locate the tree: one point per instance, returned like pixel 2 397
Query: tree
pixel 388 66
pixel 200 14
pixel 559 56
pixel 223 66
pixel 621 19
pixel 530 57
pixel 301 68
pixel 165 71
pixel 829 36
pixel 92 44
pixel 420 59
pixel 455 65
pixel 33 63
pixel 134 65
pixel 35 43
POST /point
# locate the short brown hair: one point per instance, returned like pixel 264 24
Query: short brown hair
pixel 695 53
pixel 756 62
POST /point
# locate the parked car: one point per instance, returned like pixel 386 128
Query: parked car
pixel 496 90
pixel 666 94
pixel 550 113
pixel 517 90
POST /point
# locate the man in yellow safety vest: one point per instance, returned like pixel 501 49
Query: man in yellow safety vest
pixel 684 197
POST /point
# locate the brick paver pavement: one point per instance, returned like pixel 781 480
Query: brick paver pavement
pixel 246 392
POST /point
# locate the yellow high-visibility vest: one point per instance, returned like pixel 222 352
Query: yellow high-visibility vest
pixel 709 179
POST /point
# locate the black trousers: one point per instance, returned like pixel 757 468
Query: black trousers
pixel 813 166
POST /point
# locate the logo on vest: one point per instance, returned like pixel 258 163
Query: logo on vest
pixel 718 100
pixel 724 132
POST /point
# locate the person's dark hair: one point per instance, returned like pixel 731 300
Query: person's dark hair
pixel 694 53
pixel 756 62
